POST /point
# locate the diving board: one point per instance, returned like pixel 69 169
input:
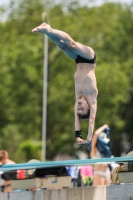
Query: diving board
pixel 65 163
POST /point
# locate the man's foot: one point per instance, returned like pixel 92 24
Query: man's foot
pixel 41 28
pixel 82 142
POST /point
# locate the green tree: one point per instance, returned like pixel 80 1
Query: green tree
pixel 108 30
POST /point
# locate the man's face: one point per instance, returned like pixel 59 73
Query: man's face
pixel 82 106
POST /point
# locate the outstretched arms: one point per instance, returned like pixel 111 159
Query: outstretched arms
pixel 91 124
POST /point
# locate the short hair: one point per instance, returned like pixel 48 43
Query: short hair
pixel 84 116
pixel 3 155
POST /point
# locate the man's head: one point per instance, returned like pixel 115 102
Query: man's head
pixel 83 110
pixel 3 156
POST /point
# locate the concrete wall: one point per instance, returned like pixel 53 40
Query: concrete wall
pixel 112 192
pixel 120 192
pixel 81 193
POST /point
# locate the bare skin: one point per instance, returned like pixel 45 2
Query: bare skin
pixel 99 179
pixel 5 183
pixel 94 140
pixel 84 77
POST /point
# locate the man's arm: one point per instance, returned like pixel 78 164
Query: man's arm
pixel 93 109
pixel 77 120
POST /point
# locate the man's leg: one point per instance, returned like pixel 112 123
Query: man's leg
pixel 57 39
pixel 76 47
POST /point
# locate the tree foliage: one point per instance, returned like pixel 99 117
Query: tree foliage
pixel 108 30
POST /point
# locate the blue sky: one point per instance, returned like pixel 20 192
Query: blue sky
pixel 97 2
